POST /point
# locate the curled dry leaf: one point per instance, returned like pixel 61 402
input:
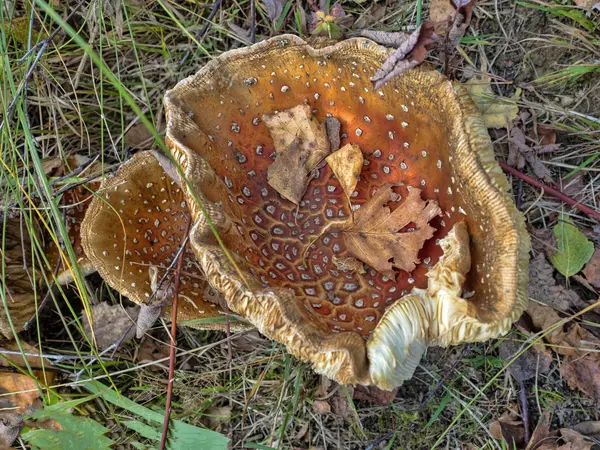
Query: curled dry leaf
pixel 376 238
pixel 301 143
pixel 510 428
pixel 520 151
pixel 333 127
pixel 110 323
pixel 274 8
pixel 346 164
pixel 411 49
pixel 581 365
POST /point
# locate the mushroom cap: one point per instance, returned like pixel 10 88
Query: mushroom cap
pixel 419 130
pixel 132 232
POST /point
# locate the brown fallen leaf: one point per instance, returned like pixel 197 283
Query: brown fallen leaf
pixel 541 434
pixel 19 396
pixel 321 407
pixel 109 324
pixel 411 49
pixel 581 365
pixel 346 163
pixel 510 428
pixel 543 287
pixel 151 350
pixel 592 269
pixel 583 374
pixel 332 128
pixel 301 143
pixel 376 238
pixel 574 441
pixel 451 19
pixel 528 364
pixel 520 151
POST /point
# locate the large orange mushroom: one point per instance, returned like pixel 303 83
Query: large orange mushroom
pixel 279 262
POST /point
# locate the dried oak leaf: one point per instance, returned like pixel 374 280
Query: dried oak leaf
pixel 520 151
pixel 411 49
pixel 376 238
pixel 581 366
pixel 301 143
pixel 109 323
pixel 346 163
pixel 510 428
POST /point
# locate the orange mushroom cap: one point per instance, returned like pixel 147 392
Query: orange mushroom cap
pixel 419 130
pixel 132 232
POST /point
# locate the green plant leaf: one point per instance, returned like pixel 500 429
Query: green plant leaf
pixel 573 249
pixel 182 436
pixel 76 433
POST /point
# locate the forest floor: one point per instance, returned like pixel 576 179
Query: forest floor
pixel 57 100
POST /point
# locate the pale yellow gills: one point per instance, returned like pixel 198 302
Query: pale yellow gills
pixel 132 232
pixel 277 265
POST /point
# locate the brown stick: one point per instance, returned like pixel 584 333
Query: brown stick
pixel 165 430
pixel 554 192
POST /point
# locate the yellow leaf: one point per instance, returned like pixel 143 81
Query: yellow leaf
pixel 346 164
pixel 497 112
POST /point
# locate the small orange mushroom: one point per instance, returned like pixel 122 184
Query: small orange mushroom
pixel 419 131
pixel 132 233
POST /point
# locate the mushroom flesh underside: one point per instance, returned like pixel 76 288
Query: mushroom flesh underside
pixel 280 268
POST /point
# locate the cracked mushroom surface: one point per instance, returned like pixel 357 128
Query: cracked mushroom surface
pixel 132 232
pixel 418 133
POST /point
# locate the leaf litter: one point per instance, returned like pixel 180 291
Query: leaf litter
pixel 376 237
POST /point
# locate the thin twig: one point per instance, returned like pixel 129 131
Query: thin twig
pixel 554 192
pixel 252 21
pixel 524 409
pixel 172 347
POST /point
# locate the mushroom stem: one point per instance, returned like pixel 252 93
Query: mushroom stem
pixel 172 347
pixel 554 192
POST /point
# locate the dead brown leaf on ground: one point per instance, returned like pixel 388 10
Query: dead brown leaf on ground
pixel 301 143
pixel 19 397
pixel 510 428
pixel 519 152
pixel 587 4
pixel 592 269
pixel 110 323
pixel 581 364
pixel 544 288
pixel 528 364
pixel 411 49
pixel 151 350
pixel 376 238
